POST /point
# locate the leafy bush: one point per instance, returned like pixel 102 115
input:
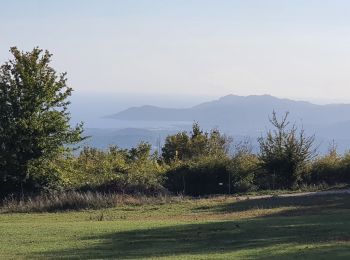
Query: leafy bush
pixel 200 176
pixel 243 168
pixel 115 170
pixel 326 169
pixel 186 146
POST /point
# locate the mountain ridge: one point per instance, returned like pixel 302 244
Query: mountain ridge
pixel 242 114
pixel 237 116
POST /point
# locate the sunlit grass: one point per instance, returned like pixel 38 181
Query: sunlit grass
pixel 212 228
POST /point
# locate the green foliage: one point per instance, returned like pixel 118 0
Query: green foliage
pixel 197 162
pixel 243 168
pixel 218 144
pixel 331 168
pixel 34 120
pixel 326 168
pixel 35 153
pixel 217 173
pixel 115 170
pixel 199 143
pixel 284 153
pixel 176 147
pixel 345 168
pixel 200 176
pixel 183 146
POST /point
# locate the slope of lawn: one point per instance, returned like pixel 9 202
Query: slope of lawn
pixel 312 227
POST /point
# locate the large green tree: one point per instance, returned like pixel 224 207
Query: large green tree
pixel 34 119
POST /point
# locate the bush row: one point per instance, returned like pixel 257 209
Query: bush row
pixel 195 163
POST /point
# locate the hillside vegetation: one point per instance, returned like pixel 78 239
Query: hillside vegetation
pixel 41 161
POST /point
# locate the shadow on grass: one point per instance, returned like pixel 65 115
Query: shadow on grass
pixel 330 232
pixel 299 205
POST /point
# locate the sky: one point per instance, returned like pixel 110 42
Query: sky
pixel 297 49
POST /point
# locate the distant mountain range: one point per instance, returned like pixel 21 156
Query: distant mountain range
pixel 235 115
pixel 248 115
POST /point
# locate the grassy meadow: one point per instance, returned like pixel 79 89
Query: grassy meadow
pixel 312 227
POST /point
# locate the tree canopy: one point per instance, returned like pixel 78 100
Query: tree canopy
pixel 184 146
pixel 34 118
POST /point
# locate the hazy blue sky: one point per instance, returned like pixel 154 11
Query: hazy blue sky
pixel 296 49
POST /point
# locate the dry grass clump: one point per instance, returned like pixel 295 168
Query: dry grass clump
pixel 74 200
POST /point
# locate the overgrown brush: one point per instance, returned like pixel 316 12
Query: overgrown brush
pixel 113 171
pixel 74 200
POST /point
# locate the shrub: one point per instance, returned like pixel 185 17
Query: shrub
pixel 186 146
pixel 326 169
pixel 243 168
pixel 115 170
pixel 200 176
pixel 284 153
pixel 345 168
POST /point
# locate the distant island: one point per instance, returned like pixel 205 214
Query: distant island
pixel 235 115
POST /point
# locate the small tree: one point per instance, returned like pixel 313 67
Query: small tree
pixel 243 167
pixel 141 152
pixel 198 141
pixel 219 144
pixel 183 146
pixel 176 147
pixel 284 152
pixel 34 120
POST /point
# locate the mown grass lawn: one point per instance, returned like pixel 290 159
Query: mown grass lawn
pixel 315 227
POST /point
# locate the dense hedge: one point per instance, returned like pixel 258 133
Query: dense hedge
pixel 215 171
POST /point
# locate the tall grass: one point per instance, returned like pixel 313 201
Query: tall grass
pixel 80 200
pixel 74 200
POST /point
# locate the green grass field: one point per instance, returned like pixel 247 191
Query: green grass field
pixel 315 227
